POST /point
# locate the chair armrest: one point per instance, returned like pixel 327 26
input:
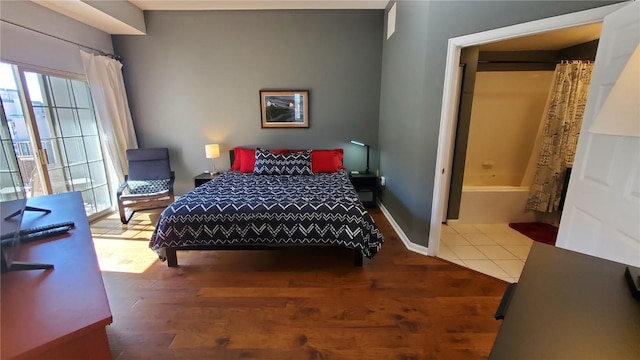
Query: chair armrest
pixel 171 181
pixel 122 187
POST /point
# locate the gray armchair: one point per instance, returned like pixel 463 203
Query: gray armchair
pixel 149 184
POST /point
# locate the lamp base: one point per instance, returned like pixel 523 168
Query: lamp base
pixel 213 172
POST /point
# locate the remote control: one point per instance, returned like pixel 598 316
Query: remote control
pixel 38 229
pixel 44 234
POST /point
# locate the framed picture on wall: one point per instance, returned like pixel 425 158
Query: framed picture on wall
pixel 284 108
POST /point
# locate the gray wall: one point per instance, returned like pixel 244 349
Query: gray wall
pixel 413 65
pixel 22 46
pixel 195 79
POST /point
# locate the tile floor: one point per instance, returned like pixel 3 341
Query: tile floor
pixel 492 249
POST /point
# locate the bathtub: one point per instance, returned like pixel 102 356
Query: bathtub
pixel 494 205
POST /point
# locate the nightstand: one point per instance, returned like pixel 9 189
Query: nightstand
pixel 203 178
pixel 366 186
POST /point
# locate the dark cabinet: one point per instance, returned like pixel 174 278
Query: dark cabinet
pixel 203 178
pixel 366 186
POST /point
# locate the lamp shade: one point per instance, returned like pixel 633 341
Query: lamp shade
pixel 212 151
pixel 620 112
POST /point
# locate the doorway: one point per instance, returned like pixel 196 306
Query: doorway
pixel 445 146
pixel 449 101
pixel 500 129
pixel 501 135
pixel 50 126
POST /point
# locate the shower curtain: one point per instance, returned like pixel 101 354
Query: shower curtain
pixel 562 121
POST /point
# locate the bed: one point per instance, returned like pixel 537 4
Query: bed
pixel 246 211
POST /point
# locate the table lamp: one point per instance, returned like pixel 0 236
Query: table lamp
pixel 363 145
pixel 212 151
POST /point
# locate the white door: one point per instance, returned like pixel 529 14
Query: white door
pixel 601 215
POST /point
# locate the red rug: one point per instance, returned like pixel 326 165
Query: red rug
pixel 540 232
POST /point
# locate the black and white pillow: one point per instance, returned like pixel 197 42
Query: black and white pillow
pixel 268 163
pixel 148 187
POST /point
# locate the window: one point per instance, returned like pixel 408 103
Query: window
pixel 55 136
pixel 10 182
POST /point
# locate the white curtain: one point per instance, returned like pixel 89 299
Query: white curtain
pixel 112 111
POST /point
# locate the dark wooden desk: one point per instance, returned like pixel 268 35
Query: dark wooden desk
pixel 59 313
pixel 569 305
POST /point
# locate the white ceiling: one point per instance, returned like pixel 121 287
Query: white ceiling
pixel 115 22
pixel 81 10
pixel 258 4
pixel 552 40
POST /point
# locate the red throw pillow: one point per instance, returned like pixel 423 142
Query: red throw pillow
pixel 248 158
pixel 339 156
pixel 236 159
pixel 326 161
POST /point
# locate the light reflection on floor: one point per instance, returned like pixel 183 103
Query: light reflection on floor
pixel 124 248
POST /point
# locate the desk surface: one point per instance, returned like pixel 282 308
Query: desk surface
pixel 569 306
pixel 42 308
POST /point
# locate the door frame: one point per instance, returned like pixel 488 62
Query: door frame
pixel 459 80
pixel 446 135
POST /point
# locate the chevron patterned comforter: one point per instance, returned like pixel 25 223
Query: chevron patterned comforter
pixel 248 209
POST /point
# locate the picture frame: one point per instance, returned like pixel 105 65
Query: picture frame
pixel 284 108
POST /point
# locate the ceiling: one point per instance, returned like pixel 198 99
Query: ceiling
pixel 119 16
pixel 258 4
pixel 118 22
pixel 87 14
pixel 552 40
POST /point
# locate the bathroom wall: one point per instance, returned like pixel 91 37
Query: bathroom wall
pixel 505 117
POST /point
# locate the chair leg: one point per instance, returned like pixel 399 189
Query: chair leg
pixel 125 215
pixel 126 212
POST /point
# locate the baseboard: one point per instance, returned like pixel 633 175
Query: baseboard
pixel 403 237
pixel 453 222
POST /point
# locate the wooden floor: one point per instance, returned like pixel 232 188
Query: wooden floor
pixel 291 304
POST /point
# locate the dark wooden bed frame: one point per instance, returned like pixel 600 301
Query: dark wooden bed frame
pixel 172 258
